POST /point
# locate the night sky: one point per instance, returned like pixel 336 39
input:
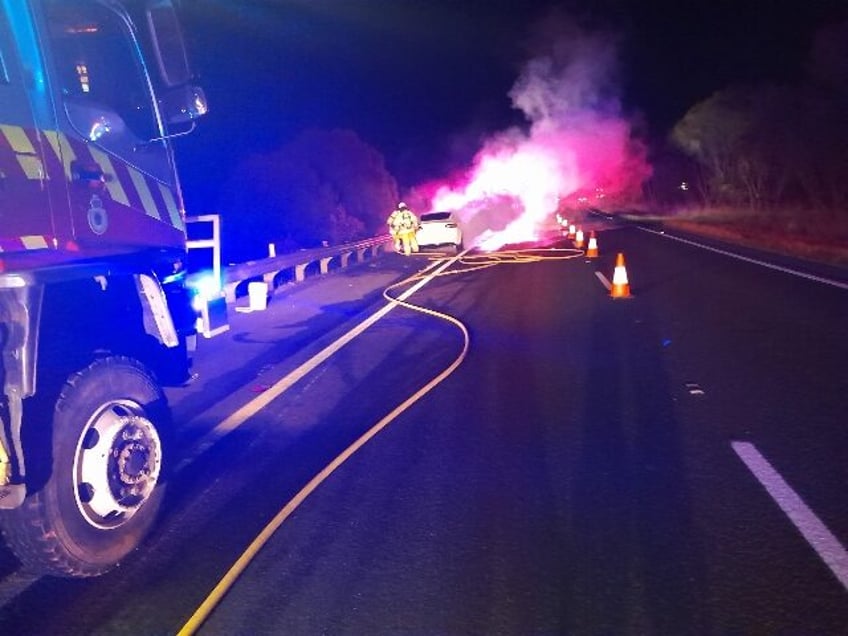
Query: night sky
pixel 423 81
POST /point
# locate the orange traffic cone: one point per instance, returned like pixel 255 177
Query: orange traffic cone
pixel 578 239
pixel 620 285
pixel 571 230
pixel 592 248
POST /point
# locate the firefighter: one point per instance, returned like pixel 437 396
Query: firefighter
pixel 407 226
pixel 394 225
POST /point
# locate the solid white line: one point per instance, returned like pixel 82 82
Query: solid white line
pixel 241 415
pixel 15 584
pixel 779 268
pixel 246 558
pixel 828 547
pixel 604 281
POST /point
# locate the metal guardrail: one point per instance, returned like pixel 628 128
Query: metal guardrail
pixel 297 266
pixel 285 268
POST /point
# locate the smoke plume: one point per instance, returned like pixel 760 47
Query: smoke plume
pixel 576 144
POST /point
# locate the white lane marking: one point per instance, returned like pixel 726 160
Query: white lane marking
pixel 827 546
pixel 241 415
pixel 234 573
pixel 747 259
pixel 604 281
pixel 16 584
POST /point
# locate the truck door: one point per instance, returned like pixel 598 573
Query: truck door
pixel 123 188
pixel 26 222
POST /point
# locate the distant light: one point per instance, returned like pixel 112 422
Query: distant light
pixel 684 186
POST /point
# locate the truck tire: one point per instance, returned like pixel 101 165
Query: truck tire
pixel 104 483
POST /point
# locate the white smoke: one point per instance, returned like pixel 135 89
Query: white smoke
pixel 575 140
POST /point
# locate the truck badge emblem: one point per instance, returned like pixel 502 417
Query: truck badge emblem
pixel 98 219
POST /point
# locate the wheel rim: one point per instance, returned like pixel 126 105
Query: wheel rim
pixel 116 464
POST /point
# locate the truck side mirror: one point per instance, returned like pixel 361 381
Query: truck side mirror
pixel 183 105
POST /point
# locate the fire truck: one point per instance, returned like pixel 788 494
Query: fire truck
pixel 96 317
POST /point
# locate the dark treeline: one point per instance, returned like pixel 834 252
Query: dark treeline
pixel 323 186
pixel 767 146
pixel 760 147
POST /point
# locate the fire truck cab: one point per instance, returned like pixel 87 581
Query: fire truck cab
pixel 95 315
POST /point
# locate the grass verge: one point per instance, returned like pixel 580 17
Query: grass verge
pixel 820 238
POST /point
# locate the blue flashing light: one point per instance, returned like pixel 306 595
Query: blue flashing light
pixel 22 25
pixel 205 286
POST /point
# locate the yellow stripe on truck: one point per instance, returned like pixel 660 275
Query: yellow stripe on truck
pixel 113 185
pixel 17 139
pixel 32 166
pixel 171 204
pixel 34 242
pixel 143 191
pixel 62 147
pixel 25 152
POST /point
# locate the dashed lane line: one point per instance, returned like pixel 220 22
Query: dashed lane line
pixel 820 538
pixel 604 281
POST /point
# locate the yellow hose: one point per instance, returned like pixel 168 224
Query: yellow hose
pixel 472 263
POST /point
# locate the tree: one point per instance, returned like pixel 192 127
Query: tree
pixel 777 145
pixel 322 186
pixel 712 132
pixel 741 136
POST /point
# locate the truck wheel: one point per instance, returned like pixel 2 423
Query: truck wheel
pixel 104 485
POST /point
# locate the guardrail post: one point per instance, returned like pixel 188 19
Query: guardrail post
pixel 230 292
pixel 300 272
pixel 325 264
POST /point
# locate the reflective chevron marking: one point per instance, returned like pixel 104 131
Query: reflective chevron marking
pixel 173 211
pixel 144 194
pixel 35 242
pixel 63 150
pixel 25 151
pixel 158 201
pixel 113 184
pixel 32 166
pixel 17 139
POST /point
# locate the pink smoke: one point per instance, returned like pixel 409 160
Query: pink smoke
pixel 576 142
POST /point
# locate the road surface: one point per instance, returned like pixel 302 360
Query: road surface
pixel 668 463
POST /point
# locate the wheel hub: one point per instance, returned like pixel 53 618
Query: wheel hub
pixel 132 468
pixel 117 464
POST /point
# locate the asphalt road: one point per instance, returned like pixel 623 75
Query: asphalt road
pixel 670 463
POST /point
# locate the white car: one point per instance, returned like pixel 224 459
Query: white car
pixel 439 228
